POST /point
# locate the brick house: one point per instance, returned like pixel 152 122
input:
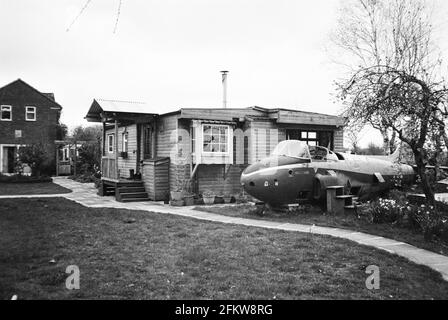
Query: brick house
pixel 26 116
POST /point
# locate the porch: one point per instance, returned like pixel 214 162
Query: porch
pixel 128 137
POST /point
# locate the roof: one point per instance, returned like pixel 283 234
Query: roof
pixel 280 116
pixel 116 106
pixel 47 96
pixel 122 106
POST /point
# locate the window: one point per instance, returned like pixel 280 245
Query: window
pixel 30 113
pixel 110 143
pixel 6 113
pixel 215 139
pixel 125 142
pixel 310 137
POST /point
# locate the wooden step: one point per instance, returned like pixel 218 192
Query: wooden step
pixel 348 200
pixel 352 207
pixel 130 184
pixel 134 199
pixel 132 195
pixel 131 189
pixel 346 196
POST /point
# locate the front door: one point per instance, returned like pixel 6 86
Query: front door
pixel 9 156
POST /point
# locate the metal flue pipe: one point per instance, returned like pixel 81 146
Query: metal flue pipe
pixel 224 88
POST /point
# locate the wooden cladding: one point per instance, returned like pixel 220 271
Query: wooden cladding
pixel 108 168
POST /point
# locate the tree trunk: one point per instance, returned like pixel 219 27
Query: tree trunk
pixel 421 171
pixel 386 141
pixel 393 142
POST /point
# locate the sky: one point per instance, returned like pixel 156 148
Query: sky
pixel 168 53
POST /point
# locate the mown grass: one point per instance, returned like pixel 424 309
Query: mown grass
pixel 315 216
pixel 35 188
pixel 125 254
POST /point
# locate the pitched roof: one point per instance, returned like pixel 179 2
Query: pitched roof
pixel 116 106
pixel 122 106
pixel 48 96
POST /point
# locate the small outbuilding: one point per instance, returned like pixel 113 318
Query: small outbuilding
pixel 206 149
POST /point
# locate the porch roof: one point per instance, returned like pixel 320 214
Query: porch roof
pixel 101 109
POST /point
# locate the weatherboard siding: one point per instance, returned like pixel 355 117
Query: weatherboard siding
pixel 339 140
pixel 124 165
pixel 166 145
pixel 264 137
pixel 220 179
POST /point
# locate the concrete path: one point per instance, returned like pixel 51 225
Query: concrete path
pixel 85 194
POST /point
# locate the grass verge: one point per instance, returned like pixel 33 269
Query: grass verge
pixel 125 254
pixel 315 216
pixel 7 189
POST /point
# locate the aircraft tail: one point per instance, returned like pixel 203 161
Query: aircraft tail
pixel 395 157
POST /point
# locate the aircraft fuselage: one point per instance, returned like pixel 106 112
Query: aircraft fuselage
pixel 285 180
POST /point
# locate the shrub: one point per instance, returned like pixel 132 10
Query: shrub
pixel 430 221
pixel 35 156
pixel 385 211
pixel 89 157
pixel 86 178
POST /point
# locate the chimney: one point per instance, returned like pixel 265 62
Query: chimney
pixel 224 88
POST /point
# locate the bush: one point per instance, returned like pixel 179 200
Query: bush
pixel 35 155
pixel 430 221
pixel 385 211
pixel 89 157
pixel 86 178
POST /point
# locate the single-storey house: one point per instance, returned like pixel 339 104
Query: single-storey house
pixel 200 149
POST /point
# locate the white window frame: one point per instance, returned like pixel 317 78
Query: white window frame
pixel 124 142
pixel 34 112
pixel 227 139
pixel 1 112
pixel 110 147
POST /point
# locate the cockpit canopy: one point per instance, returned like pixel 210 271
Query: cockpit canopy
pixel 293 149
pixel 299 149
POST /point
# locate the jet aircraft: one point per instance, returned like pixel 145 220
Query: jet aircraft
pixel 295 172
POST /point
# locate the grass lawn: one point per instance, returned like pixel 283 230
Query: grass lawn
pixel 141 255
pixel 31 188
pixel 315 216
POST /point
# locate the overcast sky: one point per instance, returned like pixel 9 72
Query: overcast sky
pixel 168 53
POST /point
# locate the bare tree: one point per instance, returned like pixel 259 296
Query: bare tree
pixel 353 132
pixel 396 85
pixel 393 33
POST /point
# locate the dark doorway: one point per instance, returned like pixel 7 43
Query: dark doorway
pixel 9 157
pixel 147 136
